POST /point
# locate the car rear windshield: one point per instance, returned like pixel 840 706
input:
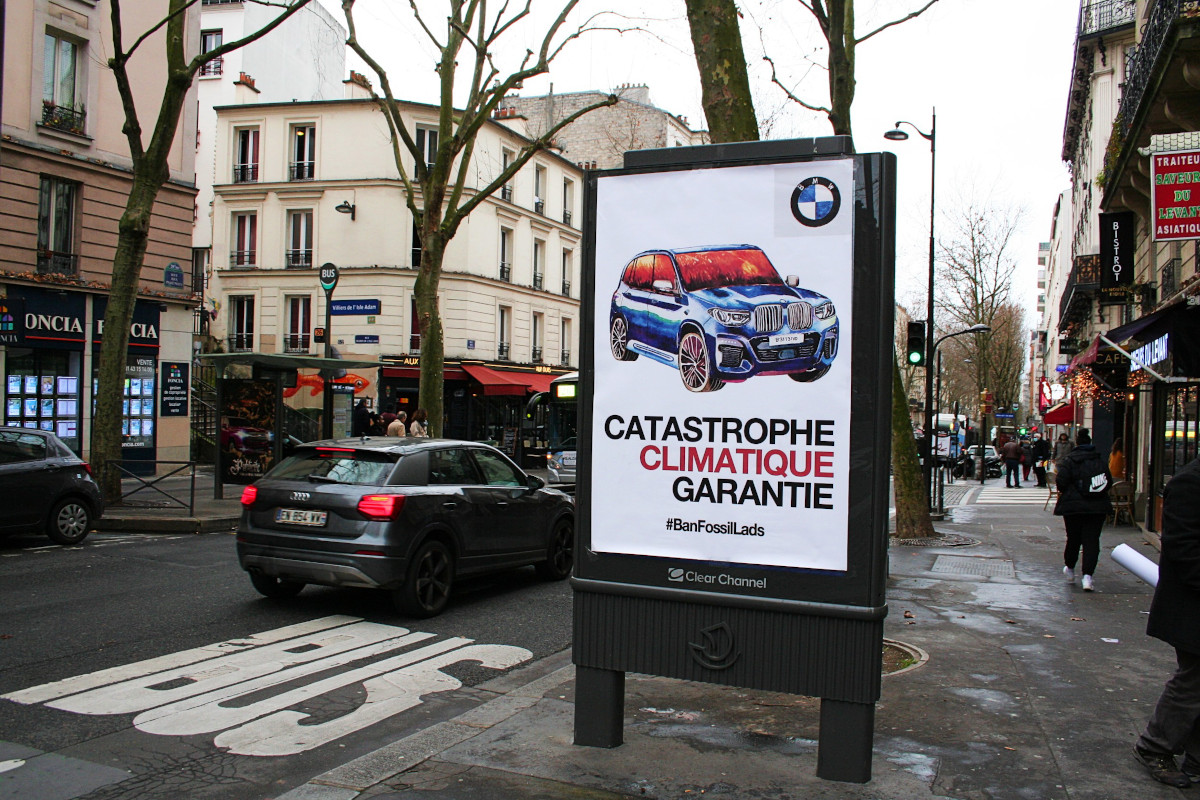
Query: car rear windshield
pixel 336 465
pixel 710 269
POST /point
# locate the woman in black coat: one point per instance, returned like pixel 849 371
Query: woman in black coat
pixel 1083 512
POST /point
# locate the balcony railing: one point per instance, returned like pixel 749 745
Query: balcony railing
pixel 1100 16
pixel 502 351
pixel 536 355
pixel 299 259
pixel 539 207
pixel 564 358
pixel 566 218
pixel 245 173
pixel 241 342
pixel 506 192
pixel 414 344
pixel 1076 304
pixel 51 263
pixel 212 68
pixel 243 259
pixel 1138 74
pixel 1169 282
pixel 63 118
pixel 296 343
pixel 302 170
pixel 505 271
pixel 537 280
pixel 566 288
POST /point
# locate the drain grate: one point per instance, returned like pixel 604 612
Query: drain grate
pixel 975 565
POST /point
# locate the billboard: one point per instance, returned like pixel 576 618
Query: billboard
pixel 1175 195
pixel 721 413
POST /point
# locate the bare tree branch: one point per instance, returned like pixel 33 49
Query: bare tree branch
pixel 790 94
pixel 887 25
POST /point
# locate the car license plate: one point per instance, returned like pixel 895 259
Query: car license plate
pixel 568 460
pixel 300 516
pixel 783 339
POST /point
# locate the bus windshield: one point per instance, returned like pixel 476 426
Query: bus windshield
pixel 561 421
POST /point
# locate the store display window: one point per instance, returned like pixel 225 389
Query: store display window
pixel 41 390
pixel 1179 430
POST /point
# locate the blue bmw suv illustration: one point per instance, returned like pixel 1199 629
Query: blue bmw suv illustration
pixel 721 314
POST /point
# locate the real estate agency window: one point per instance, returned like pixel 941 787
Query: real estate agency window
pixel 57 201
pixel 244 248
pixel 62 106
pixel 42 391
pixel 303 166
pixel 299 254
pixel 505 333
pixel 427 145
pixel 299 311
pixel 245 161
pixel 209 41
pixel 241 323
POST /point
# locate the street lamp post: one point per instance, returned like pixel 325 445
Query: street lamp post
pixel 898 135
pixel 973 329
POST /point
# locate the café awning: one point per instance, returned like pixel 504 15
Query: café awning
pixel 508 382
pixel 1062 413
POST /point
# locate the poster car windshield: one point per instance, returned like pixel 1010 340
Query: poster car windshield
pixel 721 416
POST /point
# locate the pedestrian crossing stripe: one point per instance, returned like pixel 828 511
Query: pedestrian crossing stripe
pixel 1030 495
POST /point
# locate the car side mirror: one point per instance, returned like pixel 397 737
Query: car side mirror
pixel 792 281
pixel 534 482
pixel 664 287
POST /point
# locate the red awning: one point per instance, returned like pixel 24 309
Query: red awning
pixel 1061 414
pixel 503 382
pixel 1088 355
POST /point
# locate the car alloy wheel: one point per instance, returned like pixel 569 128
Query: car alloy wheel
pixel 694 367
pixel 430 577
pixel 560 556
pixel 70 522
pixel 618 339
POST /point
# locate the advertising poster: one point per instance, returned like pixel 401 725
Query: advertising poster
pixel 247 422
pixel 721 421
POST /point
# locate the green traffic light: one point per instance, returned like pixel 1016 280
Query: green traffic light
pixel 914 357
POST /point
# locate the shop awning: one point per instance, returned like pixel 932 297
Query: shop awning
pixel 504 382
pixel 1061 414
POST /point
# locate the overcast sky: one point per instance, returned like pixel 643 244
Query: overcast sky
pixel 996 72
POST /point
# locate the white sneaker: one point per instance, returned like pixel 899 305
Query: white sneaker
pixel 1087 583
pixel 1070 574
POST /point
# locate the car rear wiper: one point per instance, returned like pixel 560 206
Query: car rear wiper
pixel 322 479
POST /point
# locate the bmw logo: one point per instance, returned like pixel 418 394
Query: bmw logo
pixel 816 201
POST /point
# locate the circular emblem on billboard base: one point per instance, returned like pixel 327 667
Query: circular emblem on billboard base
pixel 816 201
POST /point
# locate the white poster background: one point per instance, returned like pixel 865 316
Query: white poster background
pixel 731 205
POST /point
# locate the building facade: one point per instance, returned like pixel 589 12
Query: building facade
pixel 65 174
pixel 509 291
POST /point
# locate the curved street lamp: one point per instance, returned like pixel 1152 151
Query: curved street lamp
pixel 898 135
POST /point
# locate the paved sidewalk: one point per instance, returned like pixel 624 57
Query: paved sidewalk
pixel 1025 687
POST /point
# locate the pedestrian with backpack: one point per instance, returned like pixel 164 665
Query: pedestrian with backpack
pixel 1083 483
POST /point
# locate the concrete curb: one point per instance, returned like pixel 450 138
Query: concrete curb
pixel 165 524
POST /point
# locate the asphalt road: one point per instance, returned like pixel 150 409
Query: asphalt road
pixel 250 718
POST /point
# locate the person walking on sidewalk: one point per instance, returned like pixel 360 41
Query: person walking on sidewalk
pixel 1040 451
pixel 1083 482
pixel 1062 448
pixel 1175 618
pixel 1012 452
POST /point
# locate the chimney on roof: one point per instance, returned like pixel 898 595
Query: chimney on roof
pixel 357 86
pixel 244 90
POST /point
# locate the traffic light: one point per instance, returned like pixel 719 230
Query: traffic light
pixel 985 402
pixel 915 353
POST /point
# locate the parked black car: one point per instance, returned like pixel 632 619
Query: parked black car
pixel 408 516
pixel 46 487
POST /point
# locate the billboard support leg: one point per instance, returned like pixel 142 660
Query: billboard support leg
pixel 599 707
pixel 845 741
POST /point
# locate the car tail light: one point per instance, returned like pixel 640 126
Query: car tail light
pixel 381 506
pixel 249 495
pixel 369 553
pixel 88 469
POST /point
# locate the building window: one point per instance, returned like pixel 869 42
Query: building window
pixel 245 168
pixel 427 144
pixel 504 349
pixel 209 41
pixel 56 227
pixel 61 106
pixel 506 254
pixel 565 355
pixel 539 262
pixel 568 200
pixel 299 310
pixel 414 329
pixel 303 166
pixel 300 248
pixel 568 258
pixel 241 323
pixel 539 188
pixel 416 244
pixel 535 339
pixel 506 159
pixel 244 253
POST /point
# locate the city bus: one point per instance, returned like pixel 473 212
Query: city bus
pixel 556 412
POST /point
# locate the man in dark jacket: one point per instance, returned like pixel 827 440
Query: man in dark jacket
pixel 1175 618
pixel 1040 451
pixel 1083 503
pixel 1012 452
pixel 360 419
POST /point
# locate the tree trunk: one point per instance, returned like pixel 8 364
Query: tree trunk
pixel 841 65
pixel 912 502
pixel 725 86
pixel 433 350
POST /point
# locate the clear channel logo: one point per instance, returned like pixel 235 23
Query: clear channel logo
pixel 681 575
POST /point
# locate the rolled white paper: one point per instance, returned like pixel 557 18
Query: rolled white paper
pixel 1136 563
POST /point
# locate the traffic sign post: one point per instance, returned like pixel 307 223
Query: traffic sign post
pixel 329 278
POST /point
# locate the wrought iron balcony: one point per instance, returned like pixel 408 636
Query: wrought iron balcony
pixel 1103 16
pixel 414 344
pixel 505 271
pixel 502 351
pixel 212 68
pixel 1139 72
pixel 566 217
pixel 566 288
pixel 537 280
pixel 245 173
pixel 296 343
pixel 539 207
pixel 1168 283
pixel 299 259
pixel 536 355
pixel 64 118
pixel 564 358
pixel 243 259
pixel 241 342
pixel 506 192
pixel 1076 304
pixel 52 263
pixel 302 170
